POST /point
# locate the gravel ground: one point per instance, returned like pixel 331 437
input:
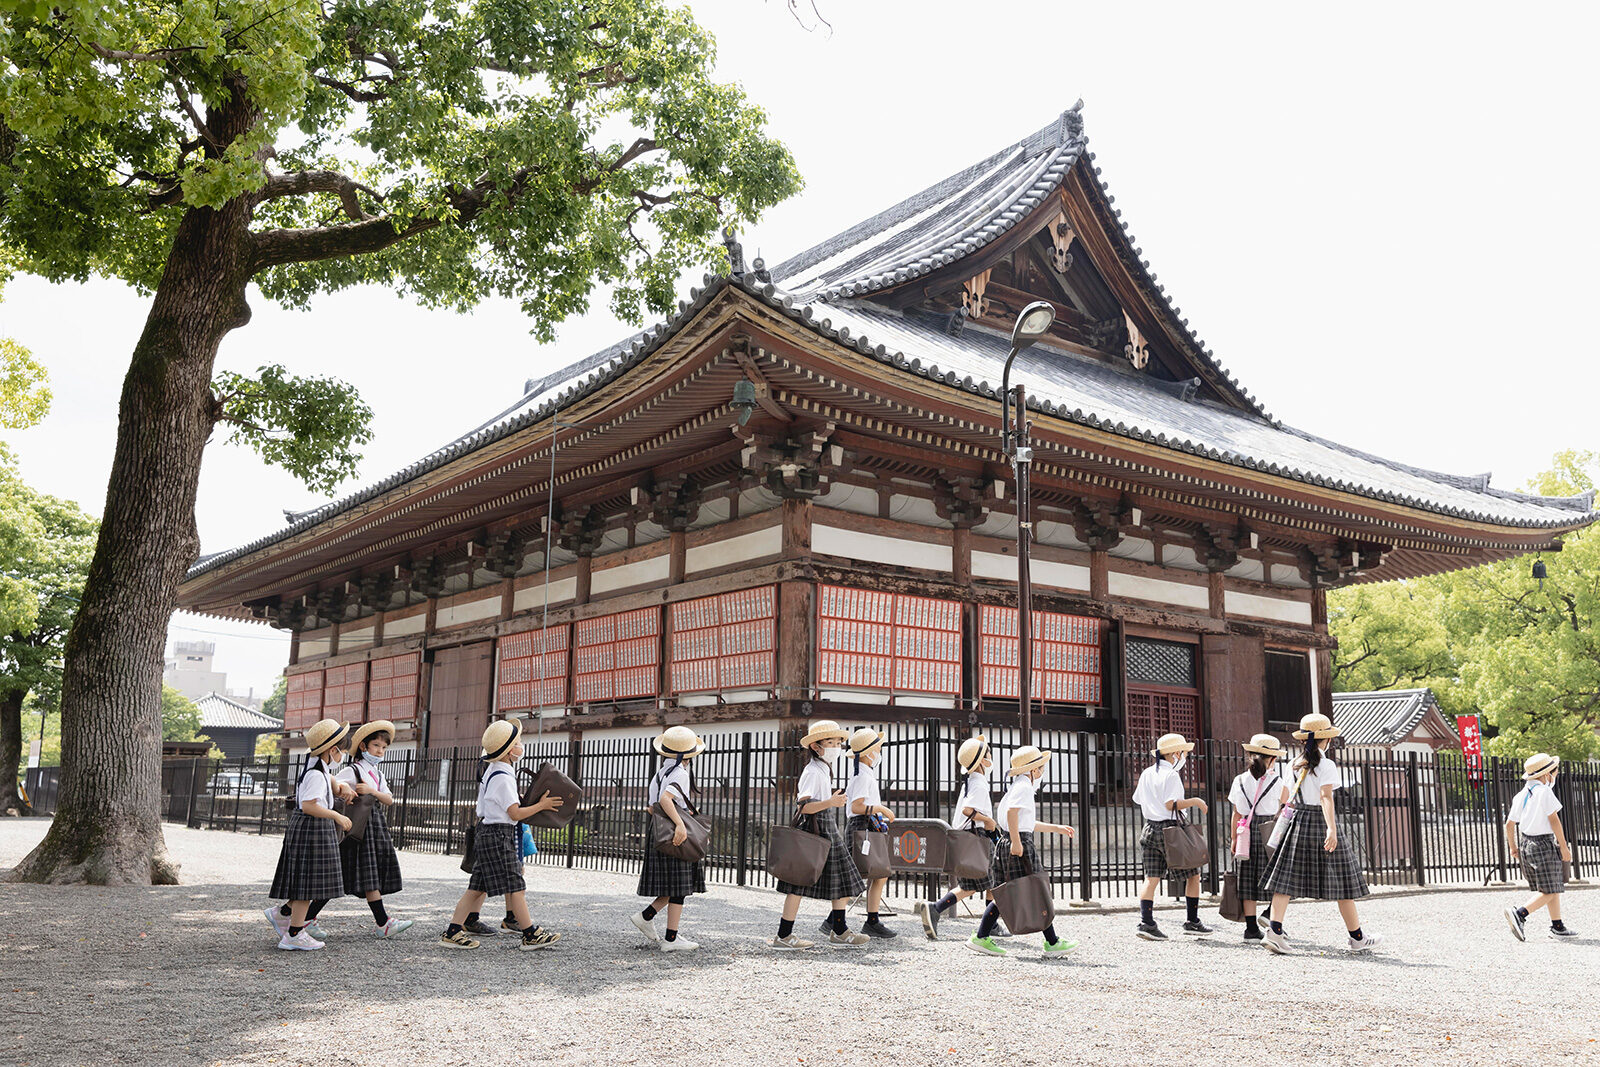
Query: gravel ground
pixel 188 975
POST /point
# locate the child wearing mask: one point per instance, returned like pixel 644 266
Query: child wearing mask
pixel 1160 796
pixel 371 865
pixel 1536 837
pixel 839 882
pixel 308 873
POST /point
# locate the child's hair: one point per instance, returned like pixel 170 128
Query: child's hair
pixel 1311 757
pixel 1258 765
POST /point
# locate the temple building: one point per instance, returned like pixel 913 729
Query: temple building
pixel 630 545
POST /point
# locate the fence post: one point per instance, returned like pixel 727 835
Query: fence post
pixel 266 777
pixel 1085 874
pixel 1212 881
pixel 194 790
pixel 932 881
pixel 1414 805
pixel 744 805
pixel 211 811
pixel 1491 782
pixel 405 793
pixel 450 804
pixel 575 772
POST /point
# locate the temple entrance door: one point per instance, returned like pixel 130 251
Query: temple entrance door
pixel 458 706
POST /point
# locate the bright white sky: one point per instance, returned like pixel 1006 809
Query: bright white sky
pixel 1377 216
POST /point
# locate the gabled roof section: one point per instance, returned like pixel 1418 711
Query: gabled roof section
pixel 217 712
pixel 1384 717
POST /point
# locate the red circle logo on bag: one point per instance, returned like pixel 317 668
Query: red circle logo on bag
pixel 911 846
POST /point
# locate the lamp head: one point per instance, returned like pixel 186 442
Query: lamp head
pixel 1032 324
pixel 744 399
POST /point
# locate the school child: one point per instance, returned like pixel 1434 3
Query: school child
pixel 371 867
pixel 865 805
pixel 839 882
pixel 1542 845
pixel 1014 854
pixel 497 855
pixel 1312 861
pixel 667 879
pixel 1160 797
pixel 1256 795
pixel 974 814
pixel 309 874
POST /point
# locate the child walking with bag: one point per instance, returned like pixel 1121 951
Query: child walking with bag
pixel 1256 796
pixel 1311 860
pixel 309 874
pixel 867 812
pixel 497 842
pixel 1541 845
pixel 1014 854
pixel 973 814
pixel 1160 796
pixel 668 880
pixel 371 866
pixel 839 882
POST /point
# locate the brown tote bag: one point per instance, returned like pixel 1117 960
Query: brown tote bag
pixel 871 851
pixel 1025 903
pixel 1186 846
pixel 549 780
pixel 796 856
pixel 697 826
pixel 967 855
pixel 358 811
pixel 1231 908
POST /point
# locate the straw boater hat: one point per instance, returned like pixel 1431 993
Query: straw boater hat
pixel 1028 758
pixel 1538 765
pixel 865 740
pixel 324 734
pixel 1264 745
pixel 971 751
pixel 367 729
pixel 1171 743
pixel 679 742
pixel 499 737
pixel 823 730
pixel 1318 726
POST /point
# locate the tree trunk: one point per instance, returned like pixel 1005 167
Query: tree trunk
pixel 107 828
pixel 11 802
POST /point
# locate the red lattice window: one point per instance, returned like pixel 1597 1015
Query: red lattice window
pixel 1153 712
pixel 533 670
pixel 302 703
pixel 888 641
pixel 1066 656
pixel 725 642
pixel 394 688
pixel 617 657
pixel 344 692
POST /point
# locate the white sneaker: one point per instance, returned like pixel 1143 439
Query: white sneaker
pixel 1366 944
pixel 1277 943
pixel 302 940
pixel 789 944
pixel 316 931
pixel 646 927
pixel 848 939
pixel 395 926
pixel 680 944
pixel 280 923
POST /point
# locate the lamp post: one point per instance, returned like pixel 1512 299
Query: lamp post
pixel 1031 325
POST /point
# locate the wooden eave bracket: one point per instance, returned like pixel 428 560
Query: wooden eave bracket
pixel 1137 349
pixel 972 295
pixel 1062 236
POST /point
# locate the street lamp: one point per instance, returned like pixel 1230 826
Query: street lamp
pixel 1032 324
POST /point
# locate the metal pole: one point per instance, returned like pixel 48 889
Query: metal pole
pixel 1085 875
pixel 1416 816
pixel 744 805
pixel 1021 461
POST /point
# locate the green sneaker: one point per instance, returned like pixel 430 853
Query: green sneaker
pixel 1059 948
pixel 985 945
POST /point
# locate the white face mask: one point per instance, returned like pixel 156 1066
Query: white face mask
pixel 371 757
pixel 1178 765
pixel 832 754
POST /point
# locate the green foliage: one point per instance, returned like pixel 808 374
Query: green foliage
pixel 304 425
pixel 1490 640
pixel 24 387
pixel 180 718
pixel 50 751
pixel 277 699
pixel 267 746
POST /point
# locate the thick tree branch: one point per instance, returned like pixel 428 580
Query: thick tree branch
pixel 160 55
pixel 360 96
pixel 303 183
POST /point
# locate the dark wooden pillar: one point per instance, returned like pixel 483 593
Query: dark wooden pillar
pixel 294 647
pixel 377 629
pixel 585 573
pixel 796 620
pixel 1319 611
pixel 961 555
pixel 508 594
pixel 678 554
pixel 1216 595
pixel 796 529
pixel 1099 569
pixel 333 639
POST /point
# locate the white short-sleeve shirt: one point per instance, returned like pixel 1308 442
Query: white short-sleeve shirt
pixel 352 775
pixel 1019 795
pixel 496 792
pixel 676 780
pixel 1327 773
pixel 1243 793
pixel 315 785
pixel 974 795
pixel 863 786
pixel 816 782
pixel 1158 784
pixel 1532 808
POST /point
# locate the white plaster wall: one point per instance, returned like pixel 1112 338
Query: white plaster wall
pixel 411 624
pixel 854 544
pixel 642 572
pixel 471 611
pixel 1002 568
pixel 1138 587
pixel 1266 607
pixel 754 545
pixel 351 640
pixel 561 591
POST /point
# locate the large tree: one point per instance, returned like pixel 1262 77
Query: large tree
pixel 449 149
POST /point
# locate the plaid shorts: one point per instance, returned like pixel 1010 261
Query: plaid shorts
pixel 308 864
pixel 668 876
pixel 839 877
pixel 1301 868
pixel 1541 862
pixel 1153 851
pixel 1005 867
pixel 497 860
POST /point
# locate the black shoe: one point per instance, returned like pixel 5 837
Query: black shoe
pixel 510 924
pixel 1565 931
pixel 878 930
pixel 1252 933
pixel 479 928
pixel 825 929
pixel 930 915
pixel 1151 932
pixel 1196 928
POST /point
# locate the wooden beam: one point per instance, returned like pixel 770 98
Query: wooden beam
pixel 1216 595
pixel 796 619
pixel 1099 582
pixel 585 574
pixel 677 556
pixel 796 529
pixel 961 555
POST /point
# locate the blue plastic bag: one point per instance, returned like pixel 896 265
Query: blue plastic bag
pixel 529 847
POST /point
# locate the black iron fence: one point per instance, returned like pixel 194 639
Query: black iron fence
pixel 1412 819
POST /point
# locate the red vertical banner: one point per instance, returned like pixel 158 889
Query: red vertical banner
pixel 1471 745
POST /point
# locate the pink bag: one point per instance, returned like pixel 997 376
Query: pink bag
pixel 1241 825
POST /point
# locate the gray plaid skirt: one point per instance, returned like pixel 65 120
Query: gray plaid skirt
pixel 308 864
pixel 1004 866
pixel 1301 868
pixel 497 860
pixel 1249 872
pixel 839 877
pixel 987 882
pixel 668 876
pixel 1541 863
pixel 1153 851
pixel 371 863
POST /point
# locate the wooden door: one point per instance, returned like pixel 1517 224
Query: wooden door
pixel 459 701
